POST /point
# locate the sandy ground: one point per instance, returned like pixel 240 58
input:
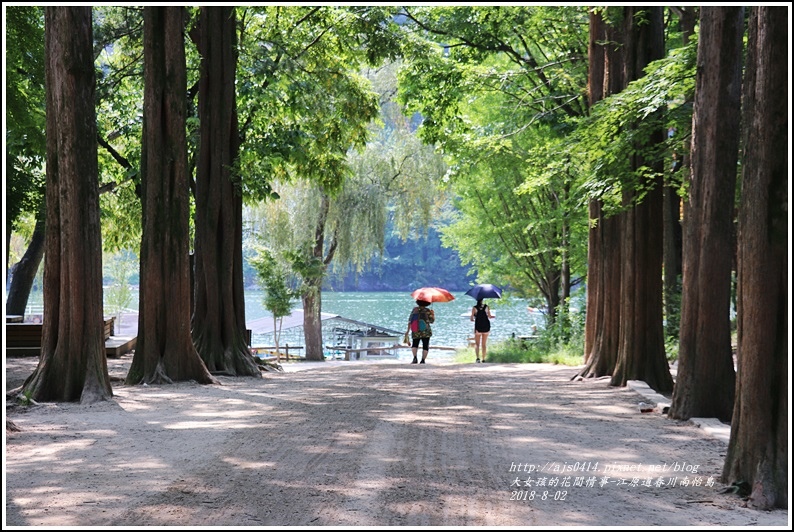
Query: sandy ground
pixel 365 444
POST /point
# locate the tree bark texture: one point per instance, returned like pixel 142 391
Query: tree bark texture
pixel 706 377
pixel 24 272
pixel 219 316
pixel 72 365
pixel 602 317
pixel 605 316
pixel 165 352
pixel 641 354
pixel 758 448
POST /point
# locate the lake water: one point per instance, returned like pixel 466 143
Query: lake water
pixel 391 309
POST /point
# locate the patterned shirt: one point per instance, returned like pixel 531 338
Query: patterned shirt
pixel 428 316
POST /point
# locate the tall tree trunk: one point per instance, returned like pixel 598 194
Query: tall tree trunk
pixel 594 283
pixel 551 293
pixel 165 351
pixel 673 242
pixel 219 316
pixel 72 365
pixel 706 378
pixel 313 281
pixel 565 245
pixel 24 271
pixel 312 323
pixel 673 237
pixel 604 349
pixel 602 318
pixel 758 449
pixel 641 353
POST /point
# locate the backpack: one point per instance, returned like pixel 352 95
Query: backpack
pixel 418 323
pixel 481 321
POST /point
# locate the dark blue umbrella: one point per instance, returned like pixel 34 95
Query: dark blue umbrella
pixel 482 291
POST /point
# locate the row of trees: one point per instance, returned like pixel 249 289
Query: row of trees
pixel 552 121
pixel 559 159
pixel 302 105
pixel 632 286
pixel 531 148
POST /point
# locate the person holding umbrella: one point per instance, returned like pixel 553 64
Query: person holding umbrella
pixel 419 324
pixel 421 317
pixel 481 316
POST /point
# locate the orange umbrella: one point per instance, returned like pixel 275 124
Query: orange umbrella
pixel 432 294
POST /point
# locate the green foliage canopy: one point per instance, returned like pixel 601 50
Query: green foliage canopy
pixel 499 88
pixel 302 104
pixel 25 142
pixel 618 124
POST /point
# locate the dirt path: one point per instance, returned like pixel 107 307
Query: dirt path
pixel 365 444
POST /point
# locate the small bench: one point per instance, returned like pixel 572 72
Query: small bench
pixel 23 335
pixel 115 346
pixel 24 339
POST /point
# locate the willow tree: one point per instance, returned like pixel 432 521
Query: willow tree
pixel 304 108
pixel 317 232
pixel 758 451
pixel 165 351
pixel 72 365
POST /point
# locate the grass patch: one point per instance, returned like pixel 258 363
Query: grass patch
pixel 526 352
